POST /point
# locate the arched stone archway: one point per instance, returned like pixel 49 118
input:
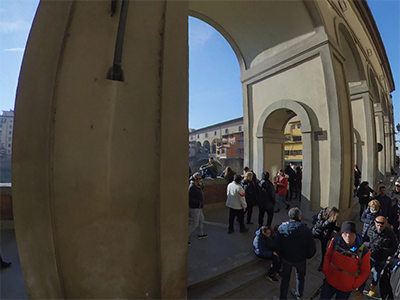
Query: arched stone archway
pixel 75 154
pixel 270 142
pixel 361 104
pixel 207 147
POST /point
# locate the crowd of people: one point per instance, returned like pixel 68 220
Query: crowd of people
pixel 347 257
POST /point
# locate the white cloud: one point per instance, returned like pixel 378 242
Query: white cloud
pixel 9 27
pixel 199 35
pixel 14 49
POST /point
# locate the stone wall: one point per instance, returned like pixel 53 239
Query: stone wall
pixel 214 190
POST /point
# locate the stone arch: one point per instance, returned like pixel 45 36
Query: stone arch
pixel 199 148
pixel 373 87
pixel 110 116
pixel 353 63
pixel 270 137
pixel 207 147
pixel 236 21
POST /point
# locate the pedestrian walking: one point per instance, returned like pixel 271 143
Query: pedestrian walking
pixel 236 202
pixel 294 244
pixel 346 264
pixel 196 203
pixel 265 200
pixel 281 188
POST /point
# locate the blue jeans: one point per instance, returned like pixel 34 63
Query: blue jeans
pixel 281 198
pixel 328 291
pixel 286 272
pixel 208 173
pixel 376 267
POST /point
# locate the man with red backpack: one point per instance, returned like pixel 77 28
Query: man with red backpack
pixel 346 265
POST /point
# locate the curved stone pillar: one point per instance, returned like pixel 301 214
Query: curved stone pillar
pixel 380 137
pixel 364 124
pixel 97 212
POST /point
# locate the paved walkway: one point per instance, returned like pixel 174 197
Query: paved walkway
pixel 207 258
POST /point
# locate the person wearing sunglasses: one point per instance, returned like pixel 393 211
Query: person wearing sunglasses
pixel 382 242
pixel 196 202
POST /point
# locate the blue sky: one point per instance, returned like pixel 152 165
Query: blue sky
pixel 213 68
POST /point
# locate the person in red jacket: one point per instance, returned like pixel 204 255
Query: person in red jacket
pixel 346 265
pixel 281 184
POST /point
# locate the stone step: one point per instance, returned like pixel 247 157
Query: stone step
pixel 248 282
pixel 230 281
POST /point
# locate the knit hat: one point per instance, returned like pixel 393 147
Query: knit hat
pixel 349 226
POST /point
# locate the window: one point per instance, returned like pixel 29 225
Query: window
pixel 218 152
pixel 9 139
pixel 231 136
pixel 241 134
pixel 9 145
pixel 3 120
pixel 239 151
pixel 291 152
pixel 10 126
pixel 240 128
pixel 286 152
pixel 191 137
pixel 293 126
pixel 215 133
pixel 198 136
pixel 10 132
pixel 298 125
pixel 206 134
pixel 241 143
pixel 287 138
pixel 297 138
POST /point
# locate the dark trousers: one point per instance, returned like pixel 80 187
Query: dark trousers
pixel 208 173
pixel 324 244
pixel 328 291
pixel 362 208
pixel 239 214
pixel 270 215
pixel 276 264
pixel 300 275
pixel 249 212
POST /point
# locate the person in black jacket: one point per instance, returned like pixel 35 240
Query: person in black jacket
pixel 370 213
pixel 323 229
pixel 265 200
pixel 292 182
pixel 385 201
pixel 250 194
pixel 394 218
pixel 196 202
pixel 263 246
pixel 363 194
pixel 382 242
pixel 294 244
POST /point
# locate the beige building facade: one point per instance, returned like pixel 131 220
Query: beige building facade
pixel 79 206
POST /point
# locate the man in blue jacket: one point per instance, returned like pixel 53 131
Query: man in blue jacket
pixel 294 244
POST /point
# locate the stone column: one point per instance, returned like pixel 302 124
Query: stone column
pixel 380 137
pixel 388 144
pixel 364 125
pixel 97 213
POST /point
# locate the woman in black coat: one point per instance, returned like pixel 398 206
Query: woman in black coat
pixel 324 227
pixel 250 195
pixel 363 194
pixel 370 213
